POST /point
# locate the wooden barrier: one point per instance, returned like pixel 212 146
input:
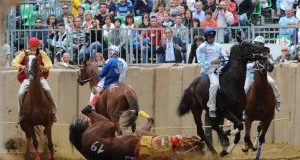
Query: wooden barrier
pixel 159 90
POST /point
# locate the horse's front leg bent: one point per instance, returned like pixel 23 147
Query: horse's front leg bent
pixel 48 133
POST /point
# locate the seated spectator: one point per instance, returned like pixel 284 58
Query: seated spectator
pixel 124 7
pixel 145 21
pixel 87 23
pixel 160 12
pixel 209 21
pixel 199 13
pixel 224 19
pixel 70 23
pixel 81 11
pixel 60 41
pixel 288 20
pixel 103 11
pixel 40 31
pixel 196 43
pixel 142 6
pixel 64 16
pixel 65 62
pixel 285 55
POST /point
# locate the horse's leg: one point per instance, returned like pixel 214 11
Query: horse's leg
pixel 200 131
pixel 264 127
pixel 238 127
pixel 48 132
pixel 34 142
pixel 258 132
pixel 248 143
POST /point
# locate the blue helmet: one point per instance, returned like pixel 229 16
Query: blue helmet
pixel 209 32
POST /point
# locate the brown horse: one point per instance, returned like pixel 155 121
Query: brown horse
pixel 260 106
pixel 36 108
pixel 98 140
pixel 114 100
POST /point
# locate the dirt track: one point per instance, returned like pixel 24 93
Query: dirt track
pixel 270 152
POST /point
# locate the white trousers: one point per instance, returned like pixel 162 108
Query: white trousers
pixel 213 90
pixel 249 82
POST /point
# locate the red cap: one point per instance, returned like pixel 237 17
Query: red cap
pixel 33 42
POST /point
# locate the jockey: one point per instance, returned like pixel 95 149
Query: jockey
pixel 113 71
pixel 20 63
pixel 259 41
pixel 209 54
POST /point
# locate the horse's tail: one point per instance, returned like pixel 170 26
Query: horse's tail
pixel 133 106
pixel 186 100
pixel 76 130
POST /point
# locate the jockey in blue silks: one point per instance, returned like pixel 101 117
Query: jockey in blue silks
pixel 210 56
pixel 113 71
pixel 259 41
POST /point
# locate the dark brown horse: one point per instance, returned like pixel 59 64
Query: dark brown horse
pixel 231 98
pixel 36 108
pixel 113 100
pixel 98 140
pixel 260 106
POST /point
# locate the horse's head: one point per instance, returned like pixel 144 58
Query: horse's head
pixel 86 72
pixel 245 51
pixel 263 62
pixel 33 67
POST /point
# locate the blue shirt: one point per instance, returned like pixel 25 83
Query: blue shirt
pixel 111 71
pixel 124 8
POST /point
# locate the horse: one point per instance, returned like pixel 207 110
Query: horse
pixel 36 108
pixel 98 140
pixel 260 106
pixel 231 98
pixel 114 100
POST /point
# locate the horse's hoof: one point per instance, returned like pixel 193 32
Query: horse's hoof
pixel 245 149
pixel 223 153
pixel 254 149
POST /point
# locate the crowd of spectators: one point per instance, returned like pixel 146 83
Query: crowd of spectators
pixel 86 28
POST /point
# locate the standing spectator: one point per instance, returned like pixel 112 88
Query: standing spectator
pixel 224 19
pixel 60 41
pixel 51 24
pixel 232 7
pixel 170 48
pixel 199 13
pixel 107 28
pixel 209 21
pixel 196 43
pixel 75 5
pixel 152 38
pixel 142 6
pixel 64 17
pixel 288 20
pixel 79 41
pixel 103 10
pixel 196 27
pixel 285 55
pixel 167 21
pixel 245 9
pixel 181 32
pixel 283 5
pixel 124 7
pixel 118 37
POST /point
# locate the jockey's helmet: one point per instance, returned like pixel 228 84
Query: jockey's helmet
pixel 259 39
pixel 209 32
pixel 33 42
pixel 114 50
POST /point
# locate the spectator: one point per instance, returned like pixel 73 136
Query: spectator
pixel 142 6
pixel 80 14
pixel 40 31
pixel 196 43
pixel 129 21
pixel 64 17
pixel 79 41
pixel 88 17
pixel 174 8
pixel 124 7
pixel 195 27
pixel 288 20
pixel 191 5
pixel 70 24
pixel 182 10
pixel 210 5
pixel 152 38
pixel 145 21
pixel 170 48
pixel 209 20
pixel 285 55
pixel 199 13
pixel 157 4
pixel 245 9
pixel 232 7
pixel 51 24
pixel 107 28
pixel 95 39
pixel 75 6
pixel 60 41
pixel 65 62
pixel 283 5
pixel 167 21
pixel 103 10
pixel 118 37
pixel 94 6
pixel 181 32
pixel 187 21
pixel 160 12
pixel 224 19
pixel 111 5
